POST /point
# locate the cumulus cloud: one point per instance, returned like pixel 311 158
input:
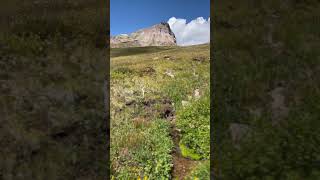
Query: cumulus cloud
pixel 195 32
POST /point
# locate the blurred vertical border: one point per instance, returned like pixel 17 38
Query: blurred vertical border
pixel 54 90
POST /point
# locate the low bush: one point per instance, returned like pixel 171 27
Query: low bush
pixel 189 153
pixel 147 157
pixel 201 171
pixel 25 45
pixel 194 122
pixel 177 90
pixel 293 145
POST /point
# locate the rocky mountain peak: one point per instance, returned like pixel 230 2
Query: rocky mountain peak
pixel 156 35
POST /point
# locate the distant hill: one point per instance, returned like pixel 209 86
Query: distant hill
pixel 157 35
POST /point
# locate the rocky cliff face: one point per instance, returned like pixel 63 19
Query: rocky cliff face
pixel 157 35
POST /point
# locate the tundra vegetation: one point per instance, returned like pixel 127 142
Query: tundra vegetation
pixel 266 89
pixel 52 69
pixel 160 108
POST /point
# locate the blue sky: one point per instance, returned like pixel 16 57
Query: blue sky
pixel 130 15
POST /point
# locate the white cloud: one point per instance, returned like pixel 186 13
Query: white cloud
pixel 195 32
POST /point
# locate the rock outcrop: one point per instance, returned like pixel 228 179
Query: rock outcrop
pixel 157 35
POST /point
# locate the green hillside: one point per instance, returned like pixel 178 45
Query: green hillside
pixel 160 112
pixel 52 70
pixel 266 89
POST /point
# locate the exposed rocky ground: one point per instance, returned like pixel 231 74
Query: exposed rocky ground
pixel 157 35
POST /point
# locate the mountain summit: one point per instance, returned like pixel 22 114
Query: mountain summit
pixel 157 35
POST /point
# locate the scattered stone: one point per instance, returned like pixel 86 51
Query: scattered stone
pixel 169 73
pixel 155 58
pixel 279 109
pixel 129 102
pixel 184 103
pixel 124 151
pixel 128 92
pixel 197 93
pixel 238 131
pixel 148 70
pixel 199 59
pixel 166 101
pixel 256 112
pixel 167 57
pixel 61 132
pixel 149 102
pixel 62 95
pixel 194 73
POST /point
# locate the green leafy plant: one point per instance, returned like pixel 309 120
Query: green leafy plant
pixel 149 154
pixel 201 171
pixel 194 122
pixel 25 44
pixel 189 153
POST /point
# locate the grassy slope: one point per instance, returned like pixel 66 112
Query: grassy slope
pixel 52 69
pixel 249 65
pixel 136 147
pixel 136 50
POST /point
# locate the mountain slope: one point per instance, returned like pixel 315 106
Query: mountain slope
pixel 157 35
pixel 266 89
pixel 153 95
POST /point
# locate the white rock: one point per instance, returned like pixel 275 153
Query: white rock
pixel 184 103
pixel 169 73
pixel 197 93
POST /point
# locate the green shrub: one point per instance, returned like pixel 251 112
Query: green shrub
pixel 149 156
pixel 246 70
pixel 293 145
pixel 160 144
pixel 187 152
pixel 177 90
pixel 25 44
pixel 194 122
pixel 121 73
pixel 201 171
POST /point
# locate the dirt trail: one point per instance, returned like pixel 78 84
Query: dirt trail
pixel 181 165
